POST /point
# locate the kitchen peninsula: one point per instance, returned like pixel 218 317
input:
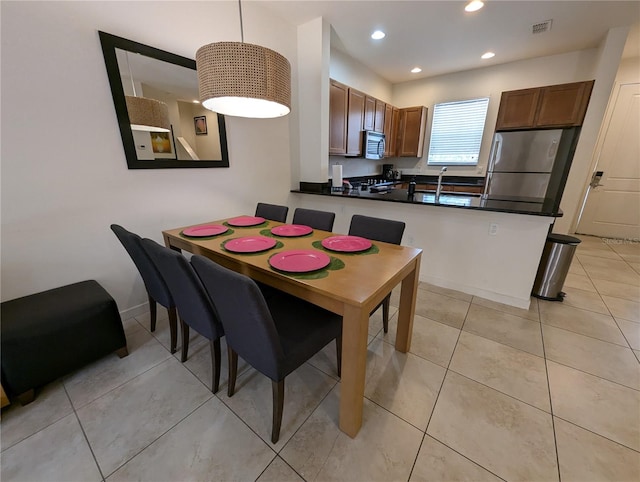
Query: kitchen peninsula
pixel 487 248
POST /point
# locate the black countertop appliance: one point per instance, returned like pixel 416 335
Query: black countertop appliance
pixel 387 172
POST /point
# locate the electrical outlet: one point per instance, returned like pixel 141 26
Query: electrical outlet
pixel 493 229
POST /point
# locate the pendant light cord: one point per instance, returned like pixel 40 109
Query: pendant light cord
pixel 241 28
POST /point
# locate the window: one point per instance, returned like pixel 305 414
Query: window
pixel 456 132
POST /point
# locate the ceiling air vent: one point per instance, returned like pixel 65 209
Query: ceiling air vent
pixel 541 27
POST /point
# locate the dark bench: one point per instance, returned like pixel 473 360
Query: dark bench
pixel 47 335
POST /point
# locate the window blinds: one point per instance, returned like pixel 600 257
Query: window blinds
pixel 456 132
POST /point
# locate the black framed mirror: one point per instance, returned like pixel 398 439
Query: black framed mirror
pixel 197 136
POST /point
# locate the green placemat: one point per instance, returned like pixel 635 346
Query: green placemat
pixel 372 250
pixel 334 265
pixel 277 246
pixel 226 233
pixel 267 232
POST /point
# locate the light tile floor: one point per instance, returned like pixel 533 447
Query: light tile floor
pixel 488 392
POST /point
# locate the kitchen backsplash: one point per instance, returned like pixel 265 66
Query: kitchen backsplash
pixel 355 166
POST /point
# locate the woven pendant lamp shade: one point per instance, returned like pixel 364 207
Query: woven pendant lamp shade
pixel 244 80
pixel 148 114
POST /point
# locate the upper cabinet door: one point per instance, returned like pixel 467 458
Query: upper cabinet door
pixel 355 120
pixel 369 113
pixel 378 124
pixel 563 105
pixel 338 105
pixel 411 131
pixel 389 133
pixel 518 109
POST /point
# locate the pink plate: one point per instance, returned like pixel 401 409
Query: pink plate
pixel 250 244
pixel 299 260
pixel 346 244
pixel 292 230
pixel 205 230
pixel 244 221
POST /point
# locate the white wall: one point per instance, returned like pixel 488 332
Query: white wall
pixel 347 70
pixel 64 175
pixel 487 82
pixel 604 71
pixel 458 252
pixel 313 65
pixel 628 72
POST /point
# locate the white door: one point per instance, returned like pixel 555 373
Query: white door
pixel 612 209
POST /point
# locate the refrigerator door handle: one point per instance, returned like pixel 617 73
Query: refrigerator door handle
pixel 553 149
pixel 487 185
pixel 496 149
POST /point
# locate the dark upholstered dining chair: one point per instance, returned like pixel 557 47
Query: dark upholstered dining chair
pixel 157 289
pixel 194 305
pixel 275 336
pixel 377 229
pixel 272 211
pixel 322 220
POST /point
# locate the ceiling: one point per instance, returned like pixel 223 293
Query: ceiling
pixel 440 37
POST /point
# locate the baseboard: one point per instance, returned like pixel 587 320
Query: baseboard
pixel 472 290
pixel 134 311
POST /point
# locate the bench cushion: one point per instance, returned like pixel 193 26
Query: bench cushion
pixel 47 335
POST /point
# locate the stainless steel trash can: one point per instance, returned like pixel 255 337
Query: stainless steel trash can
pixel 554 266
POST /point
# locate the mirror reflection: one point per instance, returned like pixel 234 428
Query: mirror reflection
pixel 196 137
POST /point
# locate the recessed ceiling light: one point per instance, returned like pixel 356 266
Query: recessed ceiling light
pixel 415 70
pixel 195 101
pixel 487 55
pixel 377 35
pixel 474 6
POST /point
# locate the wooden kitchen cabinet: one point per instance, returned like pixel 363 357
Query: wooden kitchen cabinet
pixel 561 105
pixel 391 118
pixel 518 109
pixel 410 136
pixel 378 123
pixel 338 105
pixel 434 187
pixel 355 118
pixel 369 113
pixel 469 189
pixel 564 105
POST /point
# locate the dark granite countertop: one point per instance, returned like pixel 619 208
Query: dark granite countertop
pixel 423 179
pixel 535 207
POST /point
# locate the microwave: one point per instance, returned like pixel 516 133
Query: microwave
pixel 374 144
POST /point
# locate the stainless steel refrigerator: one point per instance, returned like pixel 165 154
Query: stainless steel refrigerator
pixel 530 166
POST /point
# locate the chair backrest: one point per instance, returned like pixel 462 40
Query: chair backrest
pixel 272 211
pixel 192 301
pixel 316 219
pixel 153 280
pixel 377 229
pixel 248 325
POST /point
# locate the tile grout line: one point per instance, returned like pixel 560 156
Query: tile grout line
pixel 607 306
pixel 84 434
pixel 553 423
pixel 159 437
pixel 435 403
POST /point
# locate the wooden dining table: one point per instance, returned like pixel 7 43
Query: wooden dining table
pixel 352 286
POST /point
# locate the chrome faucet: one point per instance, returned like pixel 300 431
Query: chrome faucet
pixel 442 171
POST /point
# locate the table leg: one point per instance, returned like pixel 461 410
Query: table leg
pixel 407 308
pixel 355 325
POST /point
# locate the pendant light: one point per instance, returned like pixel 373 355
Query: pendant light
pixel 146 114
pixel 243 80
